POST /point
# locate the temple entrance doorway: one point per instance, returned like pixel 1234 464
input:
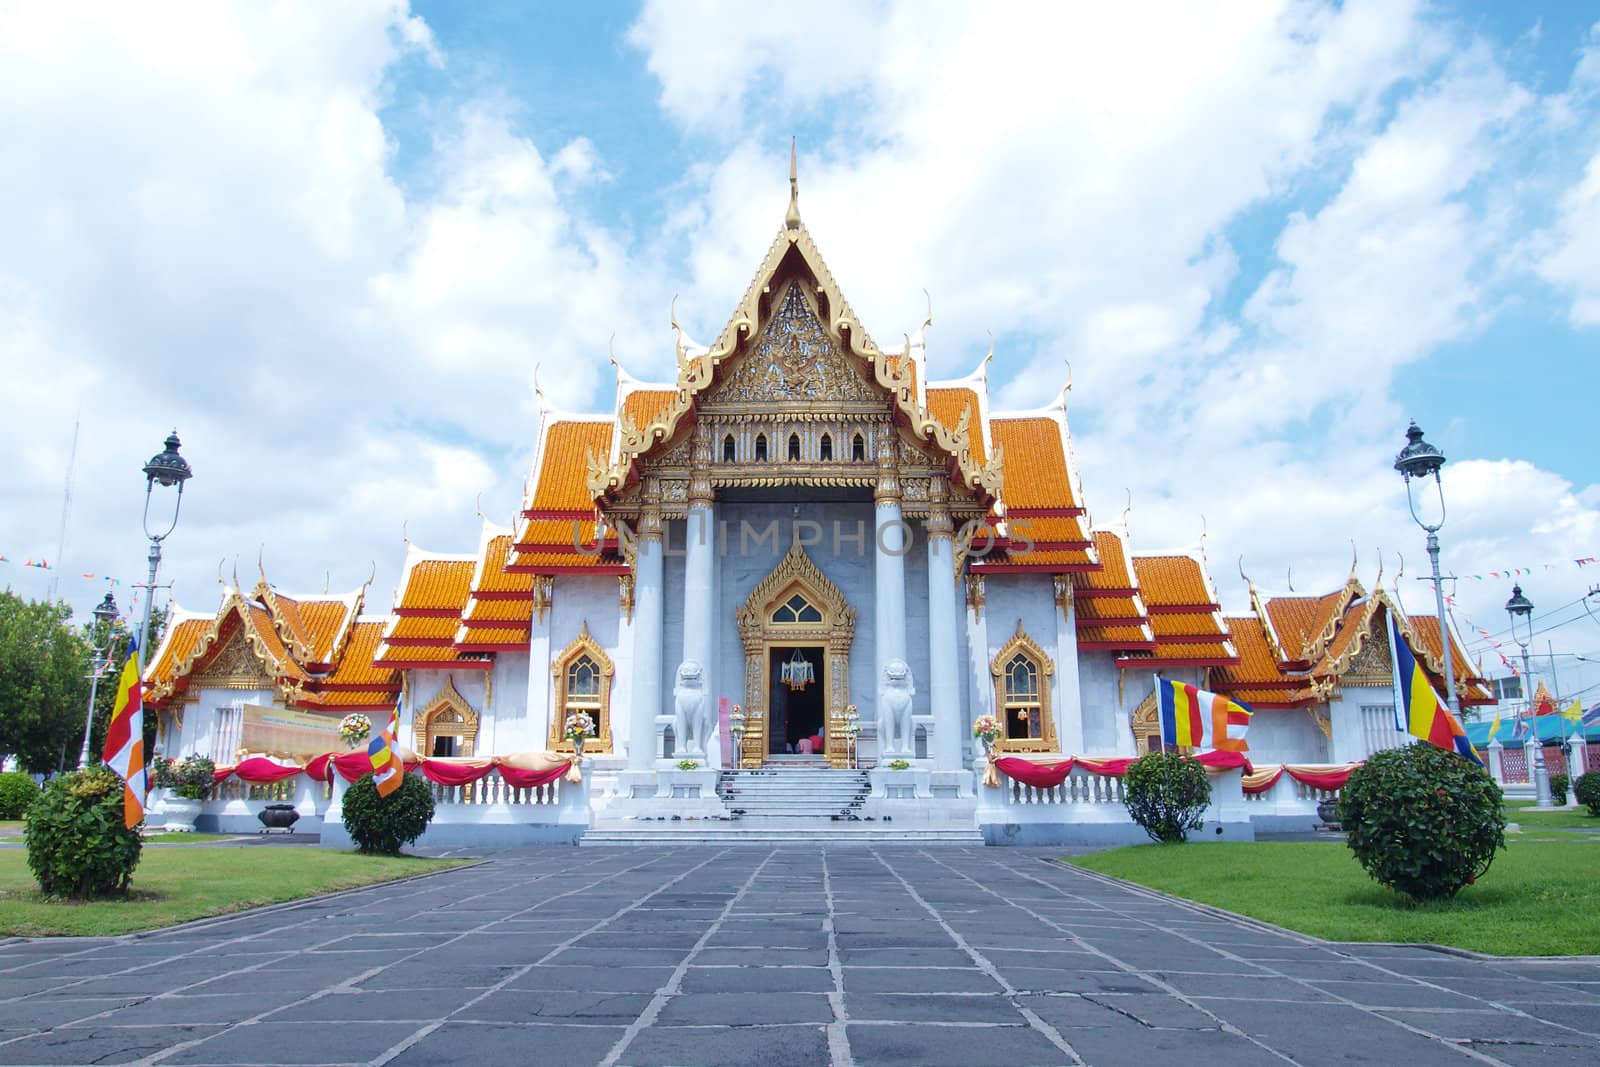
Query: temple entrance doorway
pixel 796 609
pixel 797 715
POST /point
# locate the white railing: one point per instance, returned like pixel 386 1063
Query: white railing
pixel 492 789
pixel 234 789
pixel 1079 787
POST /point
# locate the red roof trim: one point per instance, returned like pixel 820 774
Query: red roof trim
pixel 1045 513
pixel 1106 592
pixel 1117 646
pixel 1121 620
pixel 468 646
pixel 1039 568
pixel 595 568
pixel 1197 661
pixel 557 514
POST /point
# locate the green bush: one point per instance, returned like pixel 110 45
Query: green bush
pixel 191 777
pixel 1167 794
pixel 1423 821
pixel 1589 791
pixel 77 845
pixel 1558 789
pixel 385 824
pixel 17 792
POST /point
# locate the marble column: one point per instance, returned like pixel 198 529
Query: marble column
pixel 648 618
pixel 891 536
pixel 699 587
pixel 1069 694
pixel 944 696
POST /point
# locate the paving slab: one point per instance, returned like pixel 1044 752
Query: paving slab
pixel 776 955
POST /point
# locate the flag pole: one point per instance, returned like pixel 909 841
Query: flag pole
pixel 1161 730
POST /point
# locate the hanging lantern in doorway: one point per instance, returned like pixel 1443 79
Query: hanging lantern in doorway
pixel 797 673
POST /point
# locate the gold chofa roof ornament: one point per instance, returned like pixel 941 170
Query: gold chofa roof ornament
pixel 792 219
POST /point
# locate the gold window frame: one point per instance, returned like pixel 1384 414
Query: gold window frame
pixel 1044 668
pixel 582 645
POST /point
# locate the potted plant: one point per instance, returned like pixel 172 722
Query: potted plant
pixel 898 765
pixel 986 728
pixel 188 782
pixel 579 725
pixel 354 729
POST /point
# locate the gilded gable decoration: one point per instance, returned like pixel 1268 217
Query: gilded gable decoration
pixel 447 715
pixel 1022 677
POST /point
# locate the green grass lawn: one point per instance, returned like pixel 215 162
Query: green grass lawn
pixel 173 885
pixel 1570 819
pixel 1541 897
pixel 186 839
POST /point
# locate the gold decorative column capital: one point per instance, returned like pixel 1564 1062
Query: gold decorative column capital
pixel 543 595
pixel 650 512
pixel 939 525
pixel 700 466
pixel 1063 589
pixel 887 489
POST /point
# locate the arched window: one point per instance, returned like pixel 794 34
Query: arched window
pixel 858 449
pixel 825 447
pixel 1022 672
pixel 583 674
pixel 794 446
pixel 727 449
pixel 796 609
pixel 761 448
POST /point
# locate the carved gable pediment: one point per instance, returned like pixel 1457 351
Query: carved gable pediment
pixel 793 360
pixel 236 666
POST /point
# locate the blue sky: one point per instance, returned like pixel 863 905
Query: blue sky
pixel 337 240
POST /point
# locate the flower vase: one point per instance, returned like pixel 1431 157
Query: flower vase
pixel 181 813
pixel 577 747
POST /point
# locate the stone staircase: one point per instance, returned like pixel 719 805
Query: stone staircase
pixel 791 802
pixel 789 791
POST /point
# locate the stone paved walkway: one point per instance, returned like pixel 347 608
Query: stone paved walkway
pixel 773 956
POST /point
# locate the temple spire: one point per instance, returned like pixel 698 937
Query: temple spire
pixel 792 219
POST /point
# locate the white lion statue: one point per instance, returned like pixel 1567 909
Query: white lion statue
pixel 692 723
pixel 895 691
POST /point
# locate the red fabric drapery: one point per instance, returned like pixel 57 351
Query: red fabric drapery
pixel 259 770
pixel 1262 781
pixel 219 773
pixel 1329 778
pixel 1222 760
pixel 456 772
pixel 517 778
pixel 1038 775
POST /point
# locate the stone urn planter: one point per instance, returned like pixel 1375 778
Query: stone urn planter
pixel 181 813
pixel 278 817
pixel 1328 812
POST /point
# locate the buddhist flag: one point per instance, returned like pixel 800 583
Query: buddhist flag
pixel 387 768
pixel 1574 712
pixel 1418 710
pixel 124 750
pixel 1194 718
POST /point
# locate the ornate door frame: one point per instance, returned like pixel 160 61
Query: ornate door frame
pixel 795 573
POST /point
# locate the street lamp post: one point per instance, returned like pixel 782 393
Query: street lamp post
pixel 1520 608
pixel 1419 460
pixel 106 612
pixel 169 469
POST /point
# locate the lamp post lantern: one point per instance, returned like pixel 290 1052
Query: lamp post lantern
pixel 104 612
pixel 1520 608
pixel 1418 461
pixel 167 469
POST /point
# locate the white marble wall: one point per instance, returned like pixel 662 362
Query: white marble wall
pixel 591 599
pixel 197 737
pixel 1287 736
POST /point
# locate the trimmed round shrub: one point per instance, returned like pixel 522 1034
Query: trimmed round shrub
pixel 1423 821
pixel 17 792
pixel 1167 794
pixel 1589 791
pixel 1558 789
pixel 385 824
pixel 77 845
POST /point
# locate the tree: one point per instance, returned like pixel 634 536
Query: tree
pixel 44 683
pixel 96 632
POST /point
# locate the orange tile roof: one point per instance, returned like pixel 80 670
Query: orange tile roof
pixel 1172 581
pixel 437 584
pixel 440 629
pixel 478 637
pixel 495 578
pixel 1186 624
pixel 1426 628
pixel 498 611
pixel 429 654
pixel 558 561
pixel 177 646
pixel 1078 558
pixel 643 405
pixel 1093 609
pixel 1205 653
pixel 1116 637
pixel 356 667
pixel 946 405
pixel 1048 530
pixel 563 469
pixel 895 362
pixel 1034 465
pixel 1298 620
pixel 283 664
pixel 1257 665
pixel 359 699
pixel 1113 572
pixel 556 533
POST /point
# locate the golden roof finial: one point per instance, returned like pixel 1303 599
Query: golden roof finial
pixel 1378 584
pixel 792 219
